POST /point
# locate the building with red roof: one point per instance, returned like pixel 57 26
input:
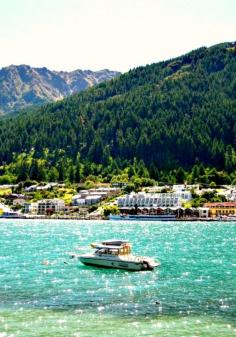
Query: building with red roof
pixel 221 208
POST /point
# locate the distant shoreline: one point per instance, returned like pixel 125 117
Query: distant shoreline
pixel 115 221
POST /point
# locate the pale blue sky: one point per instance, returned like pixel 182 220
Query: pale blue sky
pixel 114 34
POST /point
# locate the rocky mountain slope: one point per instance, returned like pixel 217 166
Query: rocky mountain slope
pixel 22 86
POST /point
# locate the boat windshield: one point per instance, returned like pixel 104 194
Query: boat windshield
pixel 123 250
pixel 107 251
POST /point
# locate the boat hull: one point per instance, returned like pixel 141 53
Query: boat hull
pixel 106 263
pixel 170 217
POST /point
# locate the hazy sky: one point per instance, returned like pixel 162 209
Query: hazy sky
pixel 114 34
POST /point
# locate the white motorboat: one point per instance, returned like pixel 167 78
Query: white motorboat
pixel 230 217
pixel 117 254
pixel 143 217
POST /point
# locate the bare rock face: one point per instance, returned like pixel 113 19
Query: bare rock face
pixel 22 86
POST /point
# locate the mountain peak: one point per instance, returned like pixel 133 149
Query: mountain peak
pixel 23 85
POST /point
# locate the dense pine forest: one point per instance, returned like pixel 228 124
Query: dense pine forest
pixel 170 121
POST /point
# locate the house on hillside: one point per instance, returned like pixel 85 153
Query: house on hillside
pixel 18 202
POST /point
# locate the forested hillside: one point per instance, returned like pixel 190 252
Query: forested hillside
pixel 169 116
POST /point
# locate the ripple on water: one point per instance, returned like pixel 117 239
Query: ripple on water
pixel 191 294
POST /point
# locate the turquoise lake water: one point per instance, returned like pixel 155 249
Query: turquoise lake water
pixel 192 293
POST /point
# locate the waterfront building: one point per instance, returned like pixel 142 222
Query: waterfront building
pixel 156 200
pixel 221 208
pixel 203 212
pixel 50 205
pixel 45 206
pixel 31 208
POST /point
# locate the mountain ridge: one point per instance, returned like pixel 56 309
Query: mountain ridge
pixel 22 85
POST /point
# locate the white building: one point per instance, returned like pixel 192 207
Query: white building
pixel 86 199
pixel 93 196
pixel 231 195
pixel 31 208
pixel 203 212
pixel 45 206
pixel 179 188
pixel 31 188
pixel 6 186
pixel 18 201
pixel 4 209
pixel 79 202
pixel 52 205
pixel 142 199
pixel 93 199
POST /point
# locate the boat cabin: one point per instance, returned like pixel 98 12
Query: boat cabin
pixel 122 249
